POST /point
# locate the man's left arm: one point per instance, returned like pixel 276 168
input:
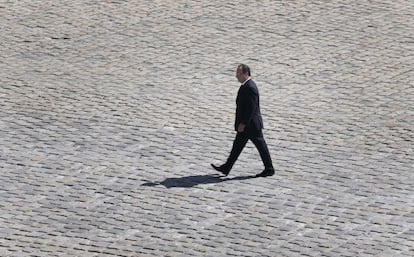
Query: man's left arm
pixel 248 104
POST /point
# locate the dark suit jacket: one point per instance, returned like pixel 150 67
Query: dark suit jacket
pixel 248 108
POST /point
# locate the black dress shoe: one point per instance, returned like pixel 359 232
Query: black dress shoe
pixel 222 169
pixel 265 173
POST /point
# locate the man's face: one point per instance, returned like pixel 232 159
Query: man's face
pixel 240 76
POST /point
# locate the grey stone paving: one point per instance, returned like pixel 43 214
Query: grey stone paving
pixel 112 111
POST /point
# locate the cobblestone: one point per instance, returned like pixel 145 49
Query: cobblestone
pixel 112 111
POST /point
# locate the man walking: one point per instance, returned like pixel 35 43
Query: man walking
pixel 248 124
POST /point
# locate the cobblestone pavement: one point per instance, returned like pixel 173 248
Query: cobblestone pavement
pixel 112 111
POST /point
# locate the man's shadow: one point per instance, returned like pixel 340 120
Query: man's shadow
pixel 191 181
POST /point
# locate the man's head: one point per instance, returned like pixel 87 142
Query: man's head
pixel 242 73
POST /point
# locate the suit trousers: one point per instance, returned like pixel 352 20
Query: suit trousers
pixel 240 142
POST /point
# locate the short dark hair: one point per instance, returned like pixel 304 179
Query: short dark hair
pixel 245 69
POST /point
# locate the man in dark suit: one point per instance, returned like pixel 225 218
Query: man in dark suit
pixel 248 124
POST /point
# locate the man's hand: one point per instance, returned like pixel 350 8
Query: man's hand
pixel 241 127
